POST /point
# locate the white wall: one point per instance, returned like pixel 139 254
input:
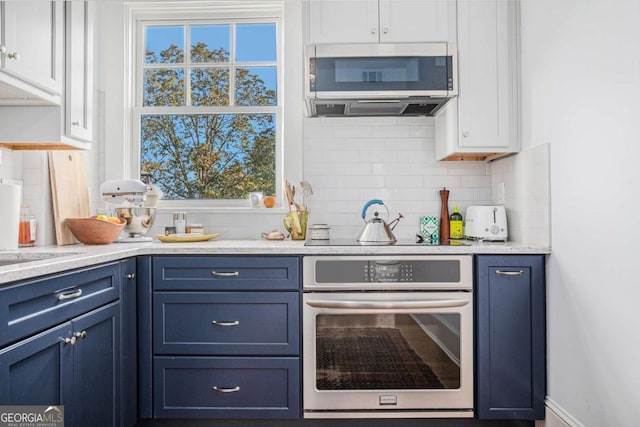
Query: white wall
pixel 581 91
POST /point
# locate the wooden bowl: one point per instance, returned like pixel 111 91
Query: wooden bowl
pixel 92 231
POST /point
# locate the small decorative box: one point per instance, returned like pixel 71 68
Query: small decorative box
pixel 430 229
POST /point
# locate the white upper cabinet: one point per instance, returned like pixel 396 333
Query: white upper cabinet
pixel 31 51
pixel 482 123
pixel 79 70
pixel 380 21
pixel 29 119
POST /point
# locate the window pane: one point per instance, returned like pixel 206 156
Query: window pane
pixel 256 86
pixel 209 86
pixel 255 42
pixel 212 156
pixel 164 87
pixel 210 43
pixel 164 44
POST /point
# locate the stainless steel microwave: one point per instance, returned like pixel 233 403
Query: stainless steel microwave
pixel 379 79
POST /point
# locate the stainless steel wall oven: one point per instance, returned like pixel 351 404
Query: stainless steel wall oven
pixel 387 336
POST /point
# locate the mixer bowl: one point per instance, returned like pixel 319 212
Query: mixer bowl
pixel 139 219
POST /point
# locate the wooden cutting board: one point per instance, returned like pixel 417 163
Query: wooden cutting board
pixel 69 191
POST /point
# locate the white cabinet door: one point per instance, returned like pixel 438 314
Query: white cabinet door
pixel 32 43
pixel 79 70
pixel 380 21
pixel 486 74
pixel 348 21
pixel 482 122
pixel 415 20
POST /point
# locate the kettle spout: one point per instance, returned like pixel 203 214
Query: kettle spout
pixel 395 222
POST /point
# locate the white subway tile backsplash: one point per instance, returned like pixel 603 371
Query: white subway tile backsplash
pixel 389 169
pixel 527 194
pixel 353 131
pixel 402 181
pixel 379 156
pixel 340 156
pixel 350 161
pixel 475 181
pixel 438 181
pixel 403 144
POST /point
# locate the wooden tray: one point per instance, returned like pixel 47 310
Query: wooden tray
pixel 173 238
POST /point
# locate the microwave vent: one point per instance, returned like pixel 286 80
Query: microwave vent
pixel 330 109
pixel 420 109
pixel 372 108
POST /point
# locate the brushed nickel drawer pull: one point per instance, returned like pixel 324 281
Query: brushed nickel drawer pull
pixel 223 274
pixel 225 390
pixel 80 335
pixel 510 273
pixel 69 295
pixel 234 323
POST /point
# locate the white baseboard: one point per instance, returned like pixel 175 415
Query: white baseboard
pixel 556 416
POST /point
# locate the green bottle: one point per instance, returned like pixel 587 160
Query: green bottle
pixel 455 224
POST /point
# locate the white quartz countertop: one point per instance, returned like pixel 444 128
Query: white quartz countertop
pixel 54 259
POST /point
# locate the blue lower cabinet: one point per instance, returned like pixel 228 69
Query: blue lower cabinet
pixel 510 337
pixel 226 323
pixel 220 387
pixel 75 365
pixel 44 360
pixel 226 337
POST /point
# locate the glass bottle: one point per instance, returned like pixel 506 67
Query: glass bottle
pixel 27 232
pixel 456 224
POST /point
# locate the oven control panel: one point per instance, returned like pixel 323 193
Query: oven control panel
pixel 385 271
pixel 367 272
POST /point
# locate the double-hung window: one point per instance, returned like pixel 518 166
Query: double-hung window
pixel 208 109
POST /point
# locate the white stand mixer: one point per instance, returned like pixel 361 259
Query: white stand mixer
pixel 131 195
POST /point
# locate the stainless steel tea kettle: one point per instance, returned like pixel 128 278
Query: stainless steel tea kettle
pixel 376 230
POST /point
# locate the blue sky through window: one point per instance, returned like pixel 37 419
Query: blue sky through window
pixel 255 42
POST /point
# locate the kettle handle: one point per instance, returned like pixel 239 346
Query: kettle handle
pixel 369 203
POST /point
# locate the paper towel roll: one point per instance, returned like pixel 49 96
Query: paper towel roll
pixel 10 195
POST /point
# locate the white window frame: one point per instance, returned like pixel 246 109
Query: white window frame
pixel 122 157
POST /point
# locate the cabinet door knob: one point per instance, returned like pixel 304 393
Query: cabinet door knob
pixel 373 31
pixel 3 49
pixel 225 390
pixel 80 335
pixel 130 276
pixel 465 134
pixel 76 123
pixel 385 30
pixel 14 55
pixel 70 341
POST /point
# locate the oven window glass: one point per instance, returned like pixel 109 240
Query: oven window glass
pixel 388 351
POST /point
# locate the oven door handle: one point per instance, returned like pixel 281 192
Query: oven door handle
pixel 442 303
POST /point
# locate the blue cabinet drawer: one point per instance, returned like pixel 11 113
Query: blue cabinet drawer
pixel 35 305
pixel 225 323
pixel 225 273
pixel 218 387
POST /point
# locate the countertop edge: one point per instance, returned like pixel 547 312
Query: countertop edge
pixel 64 258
